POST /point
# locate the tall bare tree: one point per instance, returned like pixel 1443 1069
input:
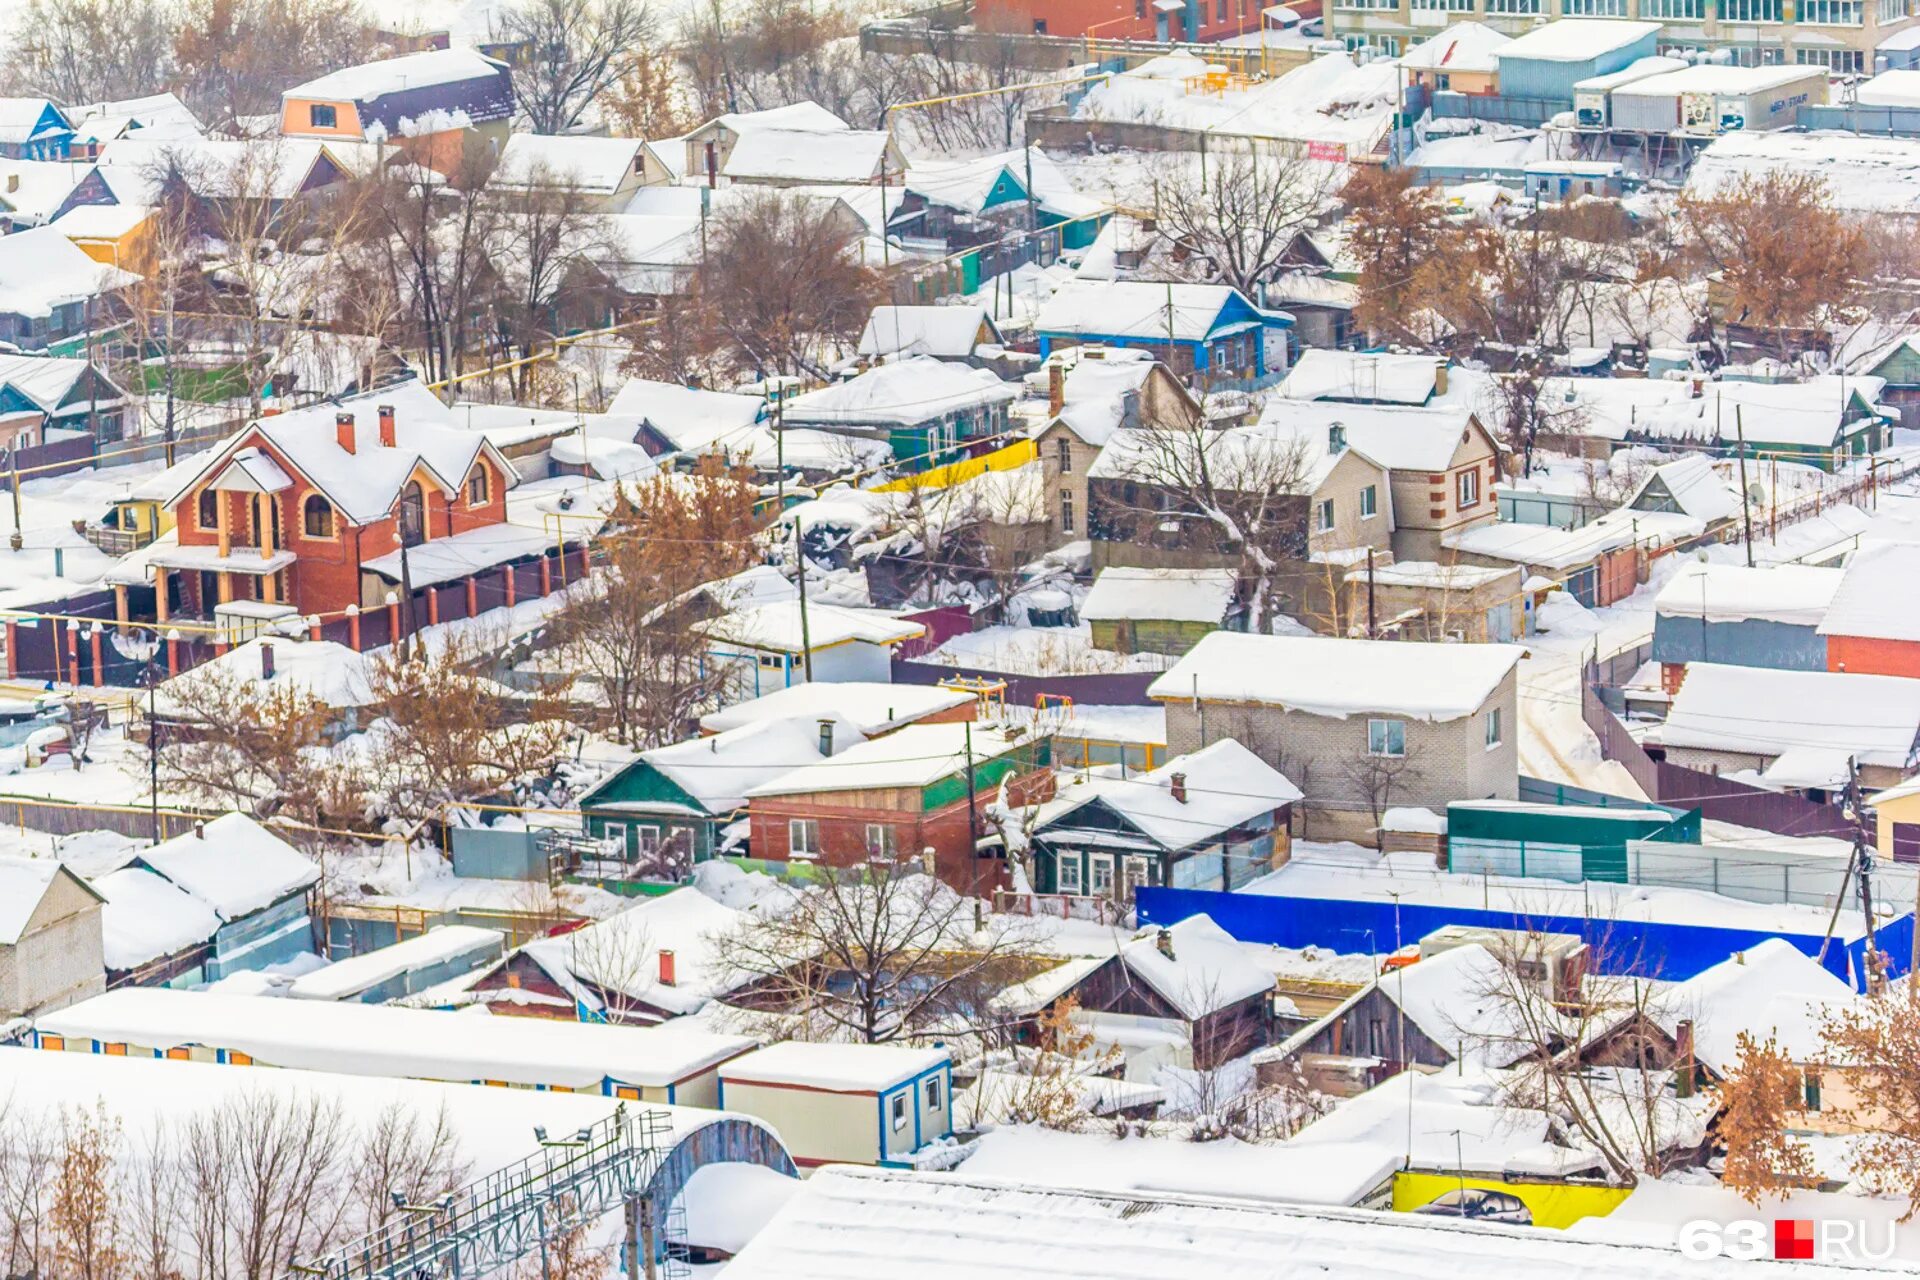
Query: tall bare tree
pixel 1240 211
pixel 573 51
pixel 84 51
pixel 236 57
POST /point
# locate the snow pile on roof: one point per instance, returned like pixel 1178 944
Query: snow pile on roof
pixel 41 270
pixel 1876 599
pixel 597 165
pixel 694 420
pixel 1694 485
pixel 1713 78
pixel 1203 970
pixel 1863 174
pixel 727 1204
pixel 1462 999
pixel 1329 99
pixel 1575 39
pixel 323 670
pixel 371 80
pixel 620 955
pixel 872 708
pixel 1099 391
pixel 382 1040
pixel 145 918
pixel 916 756
pixel 833 1068
pixel 1339 678
pixel 1179 595
pixel 967 185
pixel 1899 87
pixel 1225 785
pixel 807 155
pixel 776 627
pixel 808 116
pixel 1771 988
pixel 1461 1121
pixel 1562 549
pixel 1430 575
pixel 1237 459
pixel 1464 46
pixel 1398 438
pixel 1324 374
pixel 1609 407
pixel 49 381
pixel 137 167
pixel 347 979
pixel 1134 309
pixel 1811 413
pixel 1766 712
pixel 721 770
pixel 945 332
pixel 917 389
pixel 23 882
pixel 1795 594
pixel 234 864
pixel 20 119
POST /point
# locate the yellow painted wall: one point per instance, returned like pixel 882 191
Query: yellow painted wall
pixel 1553 1204
pixel 1903 809
pixel 1017 454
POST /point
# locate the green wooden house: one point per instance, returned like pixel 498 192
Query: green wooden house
pixel 669 809
pixel 1131 610
pixel 927 411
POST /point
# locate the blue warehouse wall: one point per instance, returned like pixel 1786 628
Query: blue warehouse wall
pixel 1753 642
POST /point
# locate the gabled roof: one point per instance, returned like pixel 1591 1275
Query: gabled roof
pixel 945 332
pixel 1810 414
pixel 136 168
pixel 1135 309
pixel 147 916
pixel 1876 599
pixel 370 80
pixel 41 270
pixel 1794 594
pixel 1464 46
pixel 808 116
pixel 35 189
pixel 24 120
pixel 776 627
pixel 1767 712
pixel 719 771
pixel 233 864
pixel 1323 374
pixel 916 756
pixel 692 419
pixel 808 155
pixel 1338 678
pixel 1694 486
pixel 1208 971
pixel 596 165
pixel 23 883
pixel 1180 595
pixel 872 708
pixel 1226 785
pixel 1399 438
pixel 916 389
pixel 49 381
pixel 365 484
pixel 620 954
pixel 1764 990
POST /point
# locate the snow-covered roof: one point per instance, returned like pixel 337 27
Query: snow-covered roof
pixel 1764 990
pixel 692 418
pixel 1324 374
pixel 809 116
pixel 23 882
pixel 872 708
pixel 1225 785
pixel 719 771
pixel 1399 438
pixel 1462 1121
pixel 621 954
pixel 1576 39
pixel 947 332
pixel 1876 599
pixel 590 164
pixel 1863 173
pixel 136 167
pixel 100 221
pixel 833 1068
pixel 1431 574
pixel 461 555
pixel 916 389
pixel 321 669
pixel 777 627
pixel 807 155
pixel 1695 487
pixel 1714 77
pixel 48 381
pixel 1763 711
pixel 146 917
pixel 20 119
pixel 1180 595
pixel 1639 69
pixel 365 484
pixel 1207 971
pixel 41 270
pixel 35 189
pixel 1899 87
pixel 233 864
pixel 1096 389
pixel 346 979
pixel 1464 46
pixel 1795 594
pixel 1135 309
pixel 916 756
pixel 382 1040
pixel 1335 677
pixel 1460 999
pixel 370 80
pixel 1556 549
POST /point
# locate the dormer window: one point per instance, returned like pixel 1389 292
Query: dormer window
pixel 1336 437
pixel 208 513
pixel 321 115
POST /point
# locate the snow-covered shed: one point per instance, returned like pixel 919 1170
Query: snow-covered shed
pixel 1136 610
pixel 845 1103
pixel 1872 624
pixel 873 709
pixel 603 173
pixel 1759 617
pixel 1212 819
pixel 673 1063
pixel 1370 723
pixel 945 333
pixel 153 932
pixel 1796 730
pixel 927 411
pixel 1367 377
pixel 846 644
pixel 1822 421
pixel 405 968
pixel 50 936
pixel 253 880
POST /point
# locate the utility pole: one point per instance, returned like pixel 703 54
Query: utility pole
pixel 973 829
pixel 1372 632
pixel 406 589
pixel 1857 811
pixel 1746 499
pixel 806 635
pixel 13 461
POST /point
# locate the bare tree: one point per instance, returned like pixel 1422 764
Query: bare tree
pixel 1394 227
pixel 1240 211
pixel 264 1175
pixel 1525 410
pixel 879 953
pixel 30 1157
pixel 84 51
pixel 236 57
pixel 546 227
pixel 414 1154
pixel 573 52
pixel 1375 778
pixel 85 1212
pixel 227 743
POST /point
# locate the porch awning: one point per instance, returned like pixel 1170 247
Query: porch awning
pixel 252 471
pixel 247 560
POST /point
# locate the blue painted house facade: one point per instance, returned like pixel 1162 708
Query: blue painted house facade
pixel 1210 333
pixel 34 129
pixel 1743 617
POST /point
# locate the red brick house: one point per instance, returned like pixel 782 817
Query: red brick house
pixel 311 508
pixel 899 795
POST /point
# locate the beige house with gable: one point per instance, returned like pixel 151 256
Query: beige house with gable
pixel 52 950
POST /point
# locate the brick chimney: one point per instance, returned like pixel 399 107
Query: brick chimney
pixel 343 430
pixel 266 661
pixel 1056 389
pixel 1178 785
pixel 386 427
pixel 666 968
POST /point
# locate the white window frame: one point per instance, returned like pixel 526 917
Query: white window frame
pixel 1068 860
pixel 1385 730
pixel 882 842
pixel 900 1111
pixel 616 831
pixel 1370 502
pixel 1099 867
pixel 1466 489
pixel 932 1093
pixel 1323 516
pixel 1066 511
pixel 1495 735
pixel 1135 872
pixel 647 839
pixel 803 837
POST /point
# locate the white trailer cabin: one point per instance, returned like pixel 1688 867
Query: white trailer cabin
pixel 845 1103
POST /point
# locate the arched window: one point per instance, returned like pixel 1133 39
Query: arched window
pixel 317 516
pixel 477 486
pixel 413 515
pixel 209 511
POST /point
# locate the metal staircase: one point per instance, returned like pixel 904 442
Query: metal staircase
pixel 514 1213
